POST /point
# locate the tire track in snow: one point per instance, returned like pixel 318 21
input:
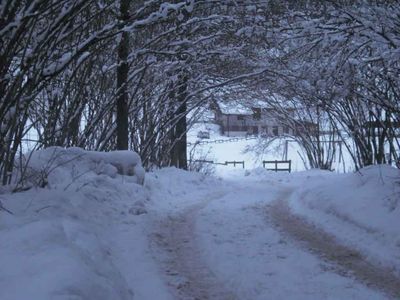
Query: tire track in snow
pixel 193 279
pixel 347 261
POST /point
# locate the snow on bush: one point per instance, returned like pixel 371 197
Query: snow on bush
pixel 57 165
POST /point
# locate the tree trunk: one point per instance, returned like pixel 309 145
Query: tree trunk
pixel 122 82
pixel 178 153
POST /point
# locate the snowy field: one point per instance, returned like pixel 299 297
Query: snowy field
pixel 93 233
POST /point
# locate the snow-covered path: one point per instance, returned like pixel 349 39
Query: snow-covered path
pixel 240 242
pixel 198 281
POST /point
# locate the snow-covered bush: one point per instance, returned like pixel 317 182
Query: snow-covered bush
pixel 201 163
pixel 57 165
pixel 202 166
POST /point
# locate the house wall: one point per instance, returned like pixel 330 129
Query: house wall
pixel 236 133
pixel 241 125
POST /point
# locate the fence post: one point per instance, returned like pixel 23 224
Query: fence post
pixel 290 166
pixel 276 166
pixel 286 149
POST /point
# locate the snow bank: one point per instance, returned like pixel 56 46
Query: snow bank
pixel 69 240
pixel 56 165
pixel 294 180
pixel 56 259
pixel 86 234
pixel 177 188
pixel 361 209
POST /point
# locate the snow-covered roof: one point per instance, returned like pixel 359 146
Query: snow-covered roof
pixel 234 108
pixel 246 106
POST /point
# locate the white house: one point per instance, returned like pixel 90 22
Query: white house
pixel 239 120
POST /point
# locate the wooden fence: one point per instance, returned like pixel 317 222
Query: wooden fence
pixel 266 164
pixel 276 163
pixel 234 162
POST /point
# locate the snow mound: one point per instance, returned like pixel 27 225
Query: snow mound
pixel 178 188
pixel 370 197
pixel 56 165
pixel 57 242
pixel 258 172
pixel 176 181
pixel 296 179
pixel 362 209
pixel 57 259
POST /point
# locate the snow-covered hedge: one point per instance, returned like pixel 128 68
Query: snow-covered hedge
pixel 57 165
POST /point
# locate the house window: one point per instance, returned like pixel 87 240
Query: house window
pixel 286 129
pixel 275 130
pixel 256 113
pixel 240 118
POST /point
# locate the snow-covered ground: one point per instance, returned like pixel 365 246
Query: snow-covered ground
pixel 256 261
pixel 362 209
pixel 251 151
pixel 224 240
pixel 70 240
pixel 93 233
